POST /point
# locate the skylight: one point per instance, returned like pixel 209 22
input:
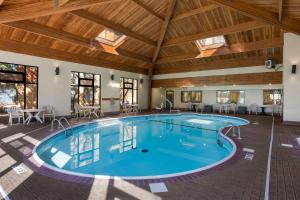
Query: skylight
pixel 110 37
pixel 211 43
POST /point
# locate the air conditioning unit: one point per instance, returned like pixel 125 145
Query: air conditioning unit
pixel 270 64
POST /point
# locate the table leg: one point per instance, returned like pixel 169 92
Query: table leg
pixel 36 116
pixel 28 119
pixel 95 113
pixel 263 110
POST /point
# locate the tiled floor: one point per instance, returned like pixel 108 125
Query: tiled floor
pixel 237 179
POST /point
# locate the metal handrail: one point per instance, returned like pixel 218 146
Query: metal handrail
pixel 167 100
pixel 231 127
pixel 59 121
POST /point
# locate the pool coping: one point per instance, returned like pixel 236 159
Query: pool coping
pixel 43 168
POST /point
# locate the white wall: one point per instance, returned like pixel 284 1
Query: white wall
pixel 291 82
pixel 55 90
pixel 253 93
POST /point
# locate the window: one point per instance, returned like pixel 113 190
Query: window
pixel 211 43
pixel 18 85
pixel 191 96
pixel 272 97
pixel 233 96
pixel 110 37
pixel 85 89
pixel 129 90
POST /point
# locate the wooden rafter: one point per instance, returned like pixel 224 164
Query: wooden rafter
pixel 73 39
pixel 161 38
pixel 217 64
pixel 163 30
pixel 194 12
pixel 17 12
pixel 235 48
pixel 138 2
pixel 59 3
pixel 221 31
pixel 261 14
pixel 280 10
pixel 24 48
pixel 116 27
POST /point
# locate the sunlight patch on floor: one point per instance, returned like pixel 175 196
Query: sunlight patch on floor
pixel 133 190
pixel 12 137
pixel 10 181
pixel 31 140
pixel 6 162
pixel 99 189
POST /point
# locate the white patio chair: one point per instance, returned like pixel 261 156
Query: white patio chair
pixel 200 107
pixel 226 108
pixel 78 111
pixel 124 107
pixel 160 108
pixel 135 109
pixel 48 112
pixel 14 112
pixel 99 111
pixel 233 107
pixel 253 108
pixel 216 107
pixel 276 109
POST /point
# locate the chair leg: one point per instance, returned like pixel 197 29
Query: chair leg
pixel 10 121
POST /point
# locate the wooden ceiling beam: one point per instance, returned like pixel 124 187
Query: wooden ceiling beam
pixel 133 55
pixel 46 31
pixel 1 2
pixel 216 32
pixel 23 11
pixel 217 64
pixel 59 3
pixel 235 48
pixel 280 10
pixel 163 30
pixel 194 12
pixel 162 33
pixel 139 3
pixel 29 49
pixel 255 12
pixel 116 27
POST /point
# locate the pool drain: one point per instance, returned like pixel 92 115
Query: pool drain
pixel 144 150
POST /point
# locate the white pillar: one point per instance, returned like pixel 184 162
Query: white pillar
pixel 291 82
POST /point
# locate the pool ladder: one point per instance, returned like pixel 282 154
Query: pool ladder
pixel 59 121
pixel 220 138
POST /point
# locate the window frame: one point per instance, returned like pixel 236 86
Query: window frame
pixel 122 87
pixel 229 100
pixel 24 81
pixel 190 96
pixel 280 92
pixel 93 86
pixel 114 43
pixel 202 47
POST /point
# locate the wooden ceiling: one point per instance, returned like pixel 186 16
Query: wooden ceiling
pixel 160 34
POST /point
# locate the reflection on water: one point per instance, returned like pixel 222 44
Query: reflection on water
pixel 85 147
pixel 127 137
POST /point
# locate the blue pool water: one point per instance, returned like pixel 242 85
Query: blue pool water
pixel 139 147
